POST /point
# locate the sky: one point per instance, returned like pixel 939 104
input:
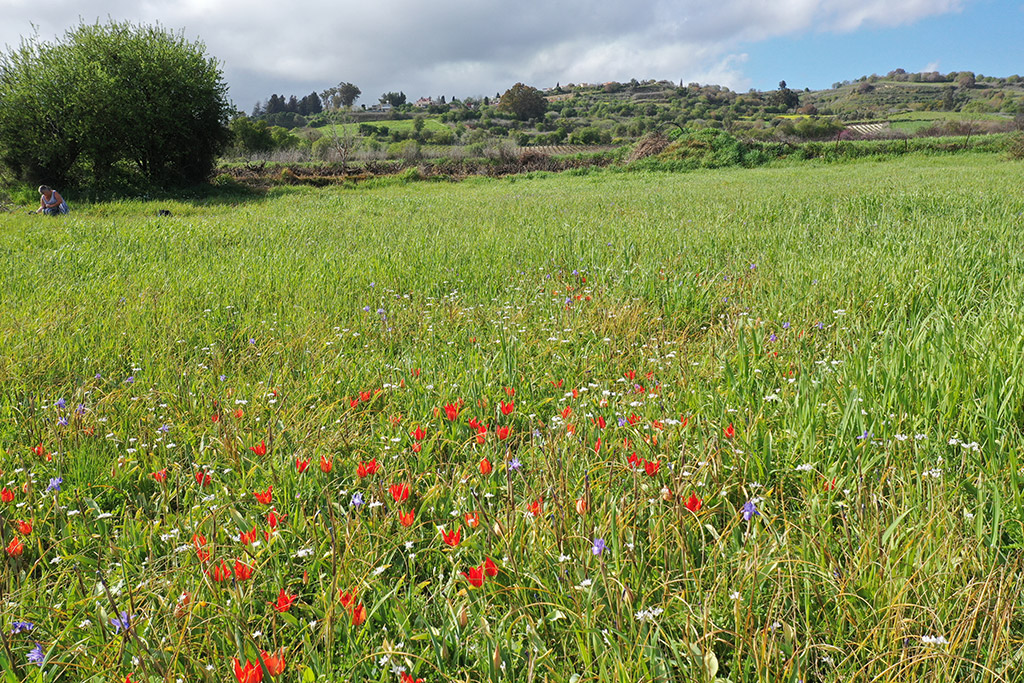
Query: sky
pixel 470 48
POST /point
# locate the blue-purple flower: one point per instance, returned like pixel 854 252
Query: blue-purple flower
pixel 121 623
pixel 21 627
pixel 749 511
pixel 55 484
pixel 599 546
pixel 36 655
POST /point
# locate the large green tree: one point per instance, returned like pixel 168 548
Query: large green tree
pixel 523 102
pixel 112 99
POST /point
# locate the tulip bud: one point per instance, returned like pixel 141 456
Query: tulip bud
pixel 666 494
pixel 497 657
pixel 498 531
pixel 463 617
pixel 582 506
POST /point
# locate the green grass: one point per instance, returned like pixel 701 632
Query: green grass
pixel 858 326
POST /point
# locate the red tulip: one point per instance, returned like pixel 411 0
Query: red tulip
pixel 264 496
pixel 251 673
pixel 247 537
pixel 490 568
pixel 24 527
pixel 502 432
pixel 473 519
pixel 729 431
pixel 220 572
pixel 6 495
pixel 259 449
pixel 348 598
pixel 406 678
pixel 358 614
pixel 274 663
pixel 693 503
pixel 537 507
pixel 651 467
pixel 284 601
pixel 452 538
pixel 566 412
pixel 451 411
pixel 203 478
pixel 485 467
pixel 160 475
pixel 15 547
pixel 407 518
pixel 507 408
pixel 243 572
pixel 475 576
pixel 239 413
pixel 400 492
pixel 418 433
pixel 326 465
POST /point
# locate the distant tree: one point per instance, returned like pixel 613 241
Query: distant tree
pixel 310 104
pixel 275 105
pixel 108 96
pixel 966 80
pixel 342 95
pixel 395 99
pixel 784 98
pixel 292 105
pixel 251 137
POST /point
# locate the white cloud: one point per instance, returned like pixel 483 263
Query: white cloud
pixel 471 47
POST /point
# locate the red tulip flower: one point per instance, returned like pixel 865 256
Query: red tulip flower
pixel 507 408
pixel 24 527
pixel 400 492
pixel 729 431
pixel 6 495
pixel 651 467
pixel 537 507
pixel 407 518
pixel 452 538
pixel 160 475
pixel 264 496
pixel 502 432
pixel 243 572
pixel 475 576
pixel 485 467
pixel 203 478
pixel 274 663
pixel 451 411
pixel 406 678
pixel 220 572
pixel 259 449
pixel 347 598
pixel 247 537
pixel 418 433
pixel 693 503
pixel 284 601
pixel 15 548
pixel 301 465
pixel 473 519
pixel 490 568
pixel 251 673
pixel 358 614
pixel 326 465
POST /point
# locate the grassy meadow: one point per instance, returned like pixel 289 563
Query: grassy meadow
pixel 742 425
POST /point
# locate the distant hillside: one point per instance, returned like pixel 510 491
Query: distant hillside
pixel 896 105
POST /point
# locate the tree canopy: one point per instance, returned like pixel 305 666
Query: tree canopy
pixel 524 102
pixel 112 100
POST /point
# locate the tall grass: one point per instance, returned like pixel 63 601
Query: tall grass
pixel 834 350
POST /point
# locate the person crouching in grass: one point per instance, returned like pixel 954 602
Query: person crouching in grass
pixel 50 202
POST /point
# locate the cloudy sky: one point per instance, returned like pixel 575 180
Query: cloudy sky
pixel 479 47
